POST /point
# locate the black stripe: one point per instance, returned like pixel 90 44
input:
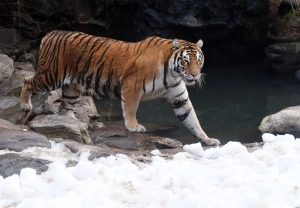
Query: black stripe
pixel 179 103
pixel 65 41
pixel 83 37
pixel 98 78
pixel 153 86
pixel 178 95
pixel 175 85
pixel 87 42
pixel 144 87
pixel 150 41
pixel 75 37
pixel 156 42
pixel 65 107
pixel 70 97
pixel 72 103
pixel 182 117
pixel 139 47
pixel 166 68
pixel 103 54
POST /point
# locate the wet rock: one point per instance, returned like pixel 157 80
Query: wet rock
pixel 24 66
pixel 165 143
pixel 58 126
pixel 119 137
pixel 11 163
pixel 8 101
pixel 101 150
pixel 18 138
pixel 285 121
pixel 13 85
pixel 284 58
pixel 6 67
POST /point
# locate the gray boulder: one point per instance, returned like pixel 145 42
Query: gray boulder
pixel 285 121
pixel 18 138
pixel 13 85
pixel 119 137
pixel 6 67
pixel 283 58
pixel 11 163
pixel 8 101
pixel 58 126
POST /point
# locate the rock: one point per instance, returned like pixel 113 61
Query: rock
pixel 15 50
pixel 119 137
pixel 285 121
pixel 24 66
pixel 58 126
pixel 7 36
pixel 101 150
pixel 11 163
pixel 13 85
pixel 283 58
pixel 27 57
pixel 8 101
pixel 16 138
pixel 165 143
pixel 6 67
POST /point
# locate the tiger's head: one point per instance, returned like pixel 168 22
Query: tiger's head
pixel 187 61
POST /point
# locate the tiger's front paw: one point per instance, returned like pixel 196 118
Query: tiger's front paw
pixel 212 142
pixel 136 128
pixel 26 107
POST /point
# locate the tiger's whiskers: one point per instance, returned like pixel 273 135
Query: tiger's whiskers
pixel 200 82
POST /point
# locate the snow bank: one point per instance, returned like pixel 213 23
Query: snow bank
pixel 229 176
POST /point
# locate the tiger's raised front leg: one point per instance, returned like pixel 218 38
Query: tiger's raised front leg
pixel 130 102
pixel 70 96
pixel 179 100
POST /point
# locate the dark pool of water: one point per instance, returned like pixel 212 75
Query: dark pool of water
pixel 230 106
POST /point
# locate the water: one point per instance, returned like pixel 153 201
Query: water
pixel 229 107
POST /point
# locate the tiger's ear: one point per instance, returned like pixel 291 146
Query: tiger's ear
pixel 200 43
pixel 176 44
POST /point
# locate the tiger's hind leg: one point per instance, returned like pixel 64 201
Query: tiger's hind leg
pixel 70 96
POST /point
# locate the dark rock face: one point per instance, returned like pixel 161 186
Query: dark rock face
pixel 284 58
pixel 232 31
pixel 11 163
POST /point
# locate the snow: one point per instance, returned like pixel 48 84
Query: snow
pixel 194 149
pixel 227 176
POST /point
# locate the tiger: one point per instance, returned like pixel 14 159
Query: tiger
pixel 83 64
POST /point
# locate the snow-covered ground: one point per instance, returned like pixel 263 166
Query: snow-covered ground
pixel 222 177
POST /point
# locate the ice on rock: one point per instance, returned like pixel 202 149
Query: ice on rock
pixel 233 148
pixel 213 153
pixel 267 137
pixel 155 152
pixel 194 149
